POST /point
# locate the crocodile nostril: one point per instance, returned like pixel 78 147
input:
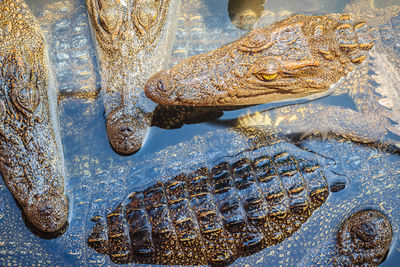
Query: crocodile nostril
pixel 127 130
pixel 366 231
pixel 160 85
pixel 163 83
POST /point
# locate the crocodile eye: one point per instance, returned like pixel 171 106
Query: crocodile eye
pixel 110 16
pixel 23 90
pixel 266 76
pixel 25 98
pixel 144 16
pixel 266 69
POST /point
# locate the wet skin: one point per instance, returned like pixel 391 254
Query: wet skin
pixel 293 58
pixel 133 40
pixel 31 161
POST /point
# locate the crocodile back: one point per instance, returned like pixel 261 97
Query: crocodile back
pixel 214 215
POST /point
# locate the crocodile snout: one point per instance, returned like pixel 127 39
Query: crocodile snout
pixel 48 212
pixel 127 129
pixel 160 88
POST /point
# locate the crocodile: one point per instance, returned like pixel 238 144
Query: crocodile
pixel 293 58
pixel 364 238
pixel 98 178
pixel 217 213
pixel 217 197
pixel 133 39
pixel 31 152
pixel 370 178
pixel 372 87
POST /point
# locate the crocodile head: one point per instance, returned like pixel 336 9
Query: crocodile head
pixel 132 39
pixel 299 56
pixel 31 158
pixel 30 144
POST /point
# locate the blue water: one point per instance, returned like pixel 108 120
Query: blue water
pixel 87 139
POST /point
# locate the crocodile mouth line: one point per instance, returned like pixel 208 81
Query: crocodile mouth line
pixel 285 85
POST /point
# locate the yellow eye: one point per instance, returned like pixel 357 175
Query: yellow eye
pixel 266 76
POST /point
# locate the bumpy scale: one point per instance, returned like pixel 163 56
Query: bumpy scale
pixel 372 88
pixel 363 239
pixel 385 59
pixel 31 161
pixel 296 57
pixel 215 215
pixel 66 28
pixel 133 40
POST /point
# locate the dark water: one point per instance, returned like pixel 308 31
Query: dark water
pixel 90 160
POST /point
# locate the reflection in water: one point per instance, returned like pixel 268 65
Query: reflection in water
pixel 244 14
pixel 98 178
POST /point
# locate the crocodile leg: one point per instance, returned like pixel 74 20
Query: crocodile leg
pixel 133 40
pixel 31 159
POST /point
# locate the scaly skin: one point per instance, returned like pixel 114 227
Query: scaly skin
pixel 137 240
pixel 385 58
pixel 133 41
pixel 224 210
pixel 293 58
pixel 31 161
pixel 72 56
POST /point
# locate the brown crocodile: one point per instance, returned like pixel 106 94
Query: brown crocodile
pixel 133 40
pixel 197 195
pixel 296 57
pixel 363 239
pixel 225 209
pixel 31 161
pixel 372 88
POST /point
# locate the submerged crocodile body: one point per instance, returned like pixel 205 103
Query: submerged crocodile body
pixel 219 213
pixel 66 27
pixel 259 190
pixel 31 153
pixel 293 58
pixel 133 40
